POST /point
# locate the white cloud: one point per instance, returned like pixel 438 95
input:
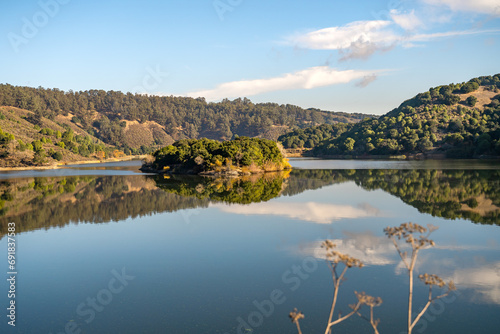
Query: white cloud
pixel 491 7
pixel 358 39
pixel 438 35
pixel 408 21
pixel 362 39
pixel 311 212
pixel 305 79
pixel 343 36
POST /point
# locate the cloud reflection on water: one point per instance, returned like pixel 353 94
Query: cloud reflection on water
pixel 320 213
pixel 481 278
pixel 365 246
pixel 484 280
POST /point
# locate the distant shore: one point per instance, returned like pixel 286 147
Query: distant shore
pixel 413 156
pixel 66 163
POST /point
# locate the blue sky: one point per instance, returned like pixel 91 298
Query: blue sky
pixel 353 56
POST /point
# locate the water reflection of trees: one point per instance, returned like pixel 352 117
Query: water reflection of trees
pixel 242 190
pixel 468 194
pixel 34 203
pixel 451 194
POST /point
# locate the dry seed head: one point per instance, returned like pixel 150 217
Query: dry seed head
pixel 296 315
pixel 338 257
pixel 368 300
pixel 429 279
pixel 406 229
pixel 328 244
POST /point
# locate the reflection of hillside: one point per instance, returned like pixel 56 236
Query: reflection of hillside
pixel 251 189
pixel 242 190
pixel 468 194
pixel 36 203
pixel 308 179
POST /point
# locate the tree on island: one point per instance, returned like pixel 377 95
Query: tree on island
pixel 241 155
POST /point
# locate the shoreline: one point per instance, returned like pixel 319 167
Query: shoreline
pixel 237 172
pixel 61 165
pixel 402 157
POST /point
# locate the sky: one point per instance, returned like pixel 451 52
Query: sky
pixel 353 56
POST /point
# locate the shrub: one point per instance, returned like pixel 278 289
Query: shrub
pixel 57 155
pixel 471 101
pixel 37 145
pixel 469 87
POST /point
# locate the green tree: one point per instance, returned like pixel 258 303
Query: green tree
pixel 39 157
pixel 425 144
pixel 37 146
pixel 349 144
pixel 469 87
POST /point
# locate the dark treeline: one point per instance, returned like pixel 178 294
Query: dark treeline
pixel 182 117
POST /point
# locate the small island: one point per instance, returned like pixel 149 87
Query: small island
pixel 240 156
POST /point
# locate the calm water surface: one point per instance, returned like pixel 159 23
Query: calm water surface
pixel 103 249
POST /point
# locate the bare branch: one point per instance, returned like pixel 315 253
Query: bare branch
pixel 355 309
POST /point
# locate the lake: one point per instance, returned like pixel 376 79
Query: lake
pixel 106 249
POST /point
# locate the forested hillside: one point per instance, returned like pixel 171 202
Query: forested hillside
pixel 25 142
pixel 111 115
pixel 40 126
pixel 455 121
pixel 313 136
